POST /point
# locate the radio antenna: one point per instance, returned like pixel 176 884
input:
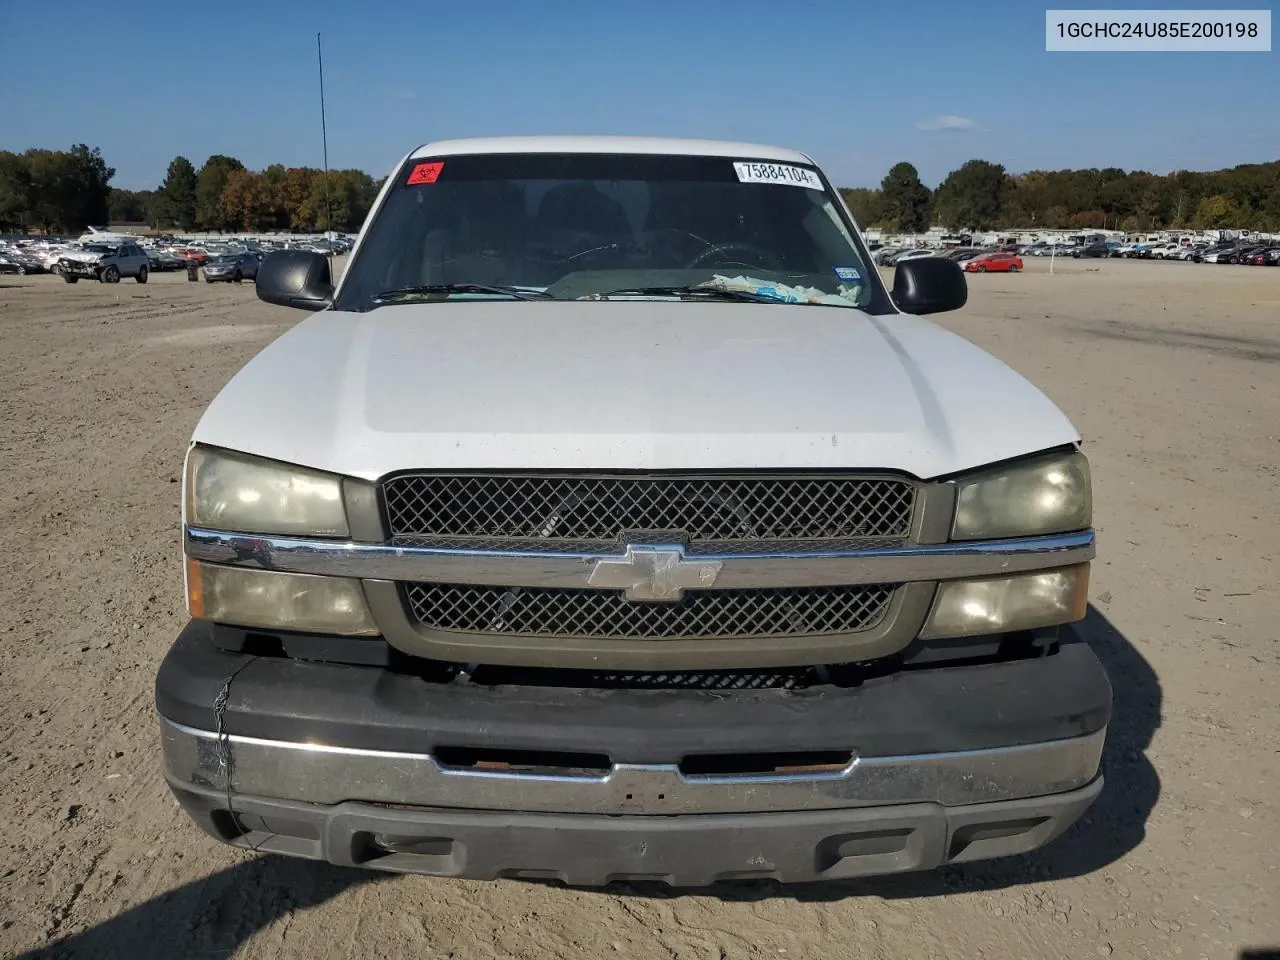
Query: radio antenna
pixel 324 140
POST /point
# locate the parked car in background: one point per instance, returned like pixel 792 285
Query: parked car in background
pixel 1135 250
pixel 915 254
pixel 11 266
pixel 104 262
pixel 248 262
pixel 23 258
pixel 1199 251
pixel 1224 255
pixel 163 261
pixel 33 262
pixel 233 267
pixel 49 256
pixel 1093 250
pixel 1246 254
pixel 192 254
pixel 999 261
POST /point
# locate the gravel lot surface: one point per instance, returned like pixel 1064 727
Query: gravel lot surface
pixel 1170 371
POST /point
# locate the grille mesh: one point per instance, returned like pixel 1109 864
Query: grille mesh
pixel 606 615
pixel 601 511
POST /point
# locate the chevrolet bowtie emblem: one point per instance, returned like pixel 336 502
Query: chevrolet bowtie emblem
pixel 653 573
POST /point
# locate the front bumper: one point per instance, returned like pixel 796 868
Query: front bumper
pixel 592 850
pixel 77 268
pixel 353 765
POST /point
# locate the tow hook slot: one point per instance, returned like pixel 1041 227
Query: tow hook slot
pixel 791 764
pixel 546 763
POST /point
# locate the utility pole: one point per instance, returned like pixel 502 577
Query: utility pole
pixel 324 140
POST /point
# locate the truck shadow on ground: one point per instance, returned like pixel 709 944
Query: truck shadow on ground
pixel 215 915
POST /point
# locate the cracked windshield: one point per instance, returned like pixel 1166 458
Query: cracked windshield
pixel 542 226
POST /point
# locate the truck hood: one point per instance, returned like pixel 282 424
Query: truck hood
pixel 633 385
pixel 82 256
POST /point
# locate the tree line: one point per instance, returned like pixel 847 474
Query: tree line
pixel 64 191
pixel 980 195
pixel 53 190
pixel 59 191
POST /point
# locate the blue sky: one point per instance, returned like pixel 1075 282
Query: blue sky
pixel 858 85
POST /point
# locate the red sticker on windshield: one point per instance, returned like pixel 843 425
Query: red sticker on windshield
pixel 424 173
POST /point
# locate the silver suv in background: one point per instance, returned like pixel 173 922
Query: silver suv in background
pixel 104 262
pixel 233 267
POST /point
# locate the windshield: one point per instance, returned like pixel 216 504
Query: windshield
pixel 593 225
pixel 98 248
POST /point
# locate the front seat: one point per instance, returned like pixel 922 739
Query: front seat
pixel 482 240
pixel 582 210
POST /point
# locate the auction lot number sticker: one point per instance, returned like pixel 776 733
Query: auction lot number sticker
pixel 749 172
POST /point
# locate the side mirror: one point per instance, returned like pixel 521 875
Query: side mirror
pixel 295 278
pixel 929 285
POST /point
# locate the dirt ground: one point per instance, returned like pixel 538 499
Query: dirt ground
pixel 1171 372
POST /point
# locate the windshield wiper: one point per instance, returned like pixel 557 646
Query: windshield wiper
pixel 701 292
pixel 517 293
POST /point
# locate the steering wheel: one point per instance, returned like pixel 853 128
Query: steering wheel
pixel 762 258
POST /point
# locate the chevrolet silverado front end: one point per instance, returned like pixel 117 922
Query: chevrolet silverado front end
pixel 612 519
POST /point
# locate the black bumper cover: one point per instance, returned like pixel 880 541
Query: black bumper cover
pixel 683 851
pixel 930 710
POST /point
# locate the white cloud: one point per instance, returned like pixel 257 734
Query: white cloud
pixel 947 123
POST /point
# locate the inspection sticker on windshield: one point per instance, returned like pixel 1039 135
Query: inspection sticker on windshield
pixel 776 173
pixel 424 173
pixel 848 273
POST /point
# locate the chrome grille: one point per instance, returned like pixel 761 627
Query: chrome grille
pixel 559 512
pixel 606 615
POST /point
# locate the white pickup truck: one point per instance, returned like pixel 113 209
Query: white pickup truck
pixel 613 519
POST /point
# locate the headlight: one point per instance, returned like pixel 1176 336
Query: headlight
pixel 1050 495
pixel 277 601
pixel 244 494
pixel 966 608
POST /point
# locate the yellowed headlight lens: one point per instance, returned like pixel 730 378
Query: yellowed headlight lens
pixel 1052 495
pixel 966 608
pixel 237 492
pixel 277 601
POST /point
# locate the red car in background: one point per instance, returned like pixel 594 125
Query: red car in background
pixel 996 262
pixel 199 256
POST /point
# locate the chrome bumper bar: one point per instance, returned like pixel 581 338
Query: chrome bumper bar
pixel 377 561
pixel 325 774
